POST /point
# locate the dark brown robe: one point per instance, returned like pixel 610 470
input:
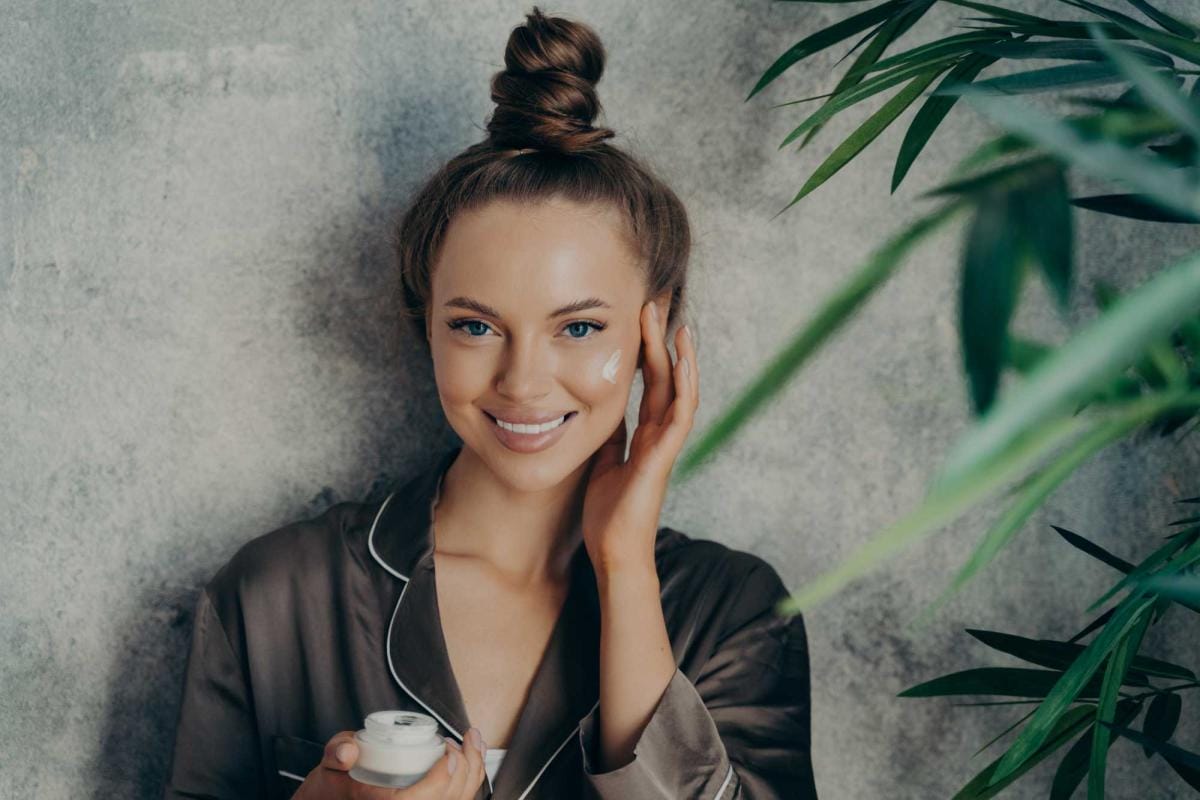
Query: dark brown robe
pixel 310 627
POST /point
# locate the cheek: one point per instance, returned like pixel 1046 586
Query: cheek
pixel 460 379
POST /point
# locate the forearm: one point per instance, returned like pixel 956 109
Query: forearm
pixel 636 662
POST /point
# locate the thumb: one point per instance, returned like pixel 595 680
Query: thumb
pixel 341 752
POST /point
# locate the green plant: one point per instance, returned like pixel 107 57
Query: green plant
pixel 1135 365
pixel 1085 690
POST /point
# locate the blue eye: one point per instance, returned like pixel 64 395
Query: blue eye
pixel 461 324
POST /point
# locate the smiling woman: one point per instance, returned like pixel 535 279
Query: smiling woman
pixel 520 591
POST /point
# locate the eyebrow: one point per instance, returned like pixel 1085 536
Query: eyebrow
pixel 482 308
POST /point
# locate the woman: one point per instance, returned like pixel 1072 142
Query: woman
pixel 520 590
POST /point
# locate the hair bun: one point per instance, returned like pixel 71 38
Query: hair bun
pixel 546 95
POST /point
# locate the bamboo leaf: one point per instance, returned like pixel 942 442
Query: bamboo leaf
pixel 1030 498
pixel 825 38
pixel 1041 725
pixel 831 316
pixel 1174 546
pixel 1048 78
pixel 1162 717
pixel 1071 50
pixel 1025 354
pixel 1132 206
pixel 1075 763
pixel 1094 550
pixel 1044 652
pixel 931 114
pixel 991 282
pixel 984 785
pixel 883 36
pixel 1114 676
pixel 1087 361
pixel 1164 20
pixel 1180 755
pixel 1175 45
pixel 866 133
pixel 1043 216
pixel 1001 681
pixel 1183 589
pixel 1102 157
pixel 1151 86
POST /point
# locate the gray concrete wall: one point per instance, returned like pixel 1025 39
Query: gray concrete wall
pixel 195 349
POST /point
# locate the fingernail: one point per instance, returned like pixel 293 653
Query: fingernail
pixel 344 752
pixel 654 311
pixel 688 331
pixel 686 369
pixel 452 762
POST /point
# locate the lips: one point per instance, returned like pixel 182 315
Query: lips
pixel 529 442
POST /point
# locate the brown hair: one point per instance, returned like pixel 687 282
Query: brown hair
pixel 541 144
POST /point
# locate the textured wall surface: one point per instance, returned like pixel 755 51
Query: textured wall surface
pixel 195 349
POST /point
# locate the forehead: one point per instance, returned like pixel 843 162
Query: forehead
pixel 542 254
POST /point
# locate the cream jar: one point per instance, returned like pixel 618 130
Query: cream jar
pixel 396 748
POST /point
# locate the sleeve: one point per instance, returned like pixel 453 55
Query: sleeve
pixel 740 730
pixel 216 754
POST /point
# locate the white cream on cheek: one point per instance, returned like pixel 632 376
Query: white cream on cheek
pixel 609 370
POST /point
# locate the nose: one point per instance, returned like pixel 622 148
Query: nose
pixel 525 372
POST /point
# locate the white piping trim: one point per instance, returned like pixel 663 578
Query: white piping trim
pixel 728 778
pixel 371 537
pixel 291 775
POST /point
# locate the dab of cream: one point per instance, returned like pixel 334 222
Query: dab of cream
pixel 609 372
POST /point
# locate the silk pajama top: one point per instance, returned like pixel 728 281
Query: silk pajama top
pixel 310 627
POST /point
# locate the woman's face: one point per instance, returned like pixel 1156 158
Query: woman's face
pixel 535 313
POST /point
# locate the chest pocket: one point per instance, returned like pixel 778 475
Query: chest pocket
pixel 294 759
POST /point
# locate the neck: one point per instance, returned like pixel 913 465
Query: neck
pixel 529 537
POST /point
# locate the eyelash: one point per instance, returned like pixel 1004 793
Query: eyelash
pixel 456 324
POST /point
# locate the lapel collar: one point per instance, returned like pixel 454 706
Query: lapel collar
pixel 565 686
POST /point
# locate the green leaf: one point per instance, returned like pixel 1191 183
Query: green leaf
pixel 1132 206
pixel 1047 78
pixel 1004 13
pixel 1071 50
pixel 1087 361
pixel 1093 625
pixel 1025 354
pixel 1165 21
pixel 1178 753
pixel 1043 216
pixel 939 49
pixel 1175 45
pixel 1151 86
pixel 1041 725
pixel 828 319
pixel 827 37
pixel 866 133
pixel 1030 498
pixel 1075 763
pixel 1114 676
pixel 984 785
pixel 1094 550
pixel 1043 652
pixel 931 114
pixel 883 36
pixel 991 282
pixel 1175 545
pixel 862 91
pixel 1102 157
pixel 1003 681
pixel 1183 589
pixel 1161 719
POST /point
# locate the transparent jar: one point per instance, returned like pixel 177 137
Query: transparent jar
pixel 396 748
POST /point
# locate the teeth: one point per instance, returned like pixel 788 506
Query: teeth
pixel 545 426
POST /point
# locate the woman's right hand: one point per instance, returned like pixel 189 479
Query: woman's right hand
pixel 457 775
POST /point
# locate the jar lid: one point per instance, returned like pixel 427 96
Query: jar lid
pixel 401 727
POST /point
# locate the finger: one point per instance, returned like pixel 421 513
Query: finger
pixel 680 417
pixel 341 751
pixel 656 369
pixel 474 754
pixel 458 779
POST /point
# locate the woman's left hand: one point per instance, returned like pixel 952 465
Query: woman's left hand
pixel 623 498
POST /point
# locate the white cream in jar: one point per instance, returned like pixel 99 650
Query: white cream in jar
pixel 396 748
